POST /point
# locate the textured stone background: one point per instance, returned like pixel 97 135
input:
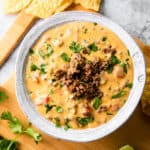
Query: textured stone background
pixel 132 15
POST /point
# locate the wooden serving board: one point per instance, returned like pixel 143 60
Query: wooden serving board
pixel 136 131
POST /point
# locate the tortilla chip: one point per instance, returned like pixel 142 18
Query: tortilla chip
pixel 146 95
pixel 63 5
pixel 14 6
pixel 42 8
pixel 89 4
pixel 45 8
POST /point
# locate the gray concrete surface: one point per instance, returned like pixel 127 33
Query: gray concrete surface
pixel 132 15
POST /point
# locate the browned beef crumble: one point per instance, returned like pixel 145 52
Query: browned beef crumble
pixel 110 50
pixel 82 78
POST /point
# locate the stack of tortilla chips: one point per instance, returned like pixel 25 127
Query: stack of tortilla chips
pixel 45 8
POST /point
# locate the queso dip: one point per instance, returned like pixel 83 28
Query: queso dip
pixel 79 75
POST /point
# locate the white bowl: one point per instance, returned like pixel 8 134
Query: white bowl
pixel 86 134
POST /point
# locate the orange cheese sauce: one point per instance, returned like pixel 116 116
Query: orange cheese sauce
pixel 45 58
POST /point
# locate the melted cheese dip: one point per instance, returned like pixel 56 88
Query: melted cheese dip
pixel 53 51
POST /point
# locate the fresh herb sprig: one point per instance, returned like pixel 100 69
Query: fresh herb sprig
pixel 6 144
pixel 17 127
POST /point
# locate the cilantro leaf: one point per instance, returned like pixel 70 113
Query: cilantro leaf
pixel 104 38
pixel 6 144
pixel 49 107
pixel 33 67
pixel 84 121
pixel 42 68
pixel 124 66
pixel 49 50
pixel 31 51
pixel 65 57
pixel 17 127
pixel 59 109
pixel 13 122
pixel 120 94
pixel 95 23
pixel 36 136
pixel 57 122
pixel 93 47
pixel 67 125
pixel 97 103
pixel 75 47
pixel 3 96
pixel 41 53
pixel 129 85
pixel 112 62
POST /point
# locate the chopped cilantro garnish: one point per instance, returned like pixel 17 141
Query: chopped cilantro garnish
pixel 95 23
pixel 31 51
pixel 93 47
pixel 67 125
pixel 97 103
pixel 59 109
pixel 42 69
pixel 33 67
pixel 114 60
pixel 120 94
pixel 128 52
pixel 49 107
pixel 3 96
pixel 57 122
pixel 41 53
pixel 51 91
pixel 85 30
pixel 109 113
pixel 75 47
pixel 49 49
pixel 84 121
pixel 104 38
pixel 124 65
pixel 129 85
pixel 65 57
pixel 61 85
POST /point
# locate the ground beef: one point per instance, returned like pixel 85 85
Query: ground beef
pixel 82 78
pixel 60 73
pixel 109 50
